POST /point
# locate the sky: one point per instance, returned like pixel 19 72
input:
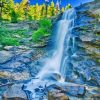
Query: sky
pixel 74 3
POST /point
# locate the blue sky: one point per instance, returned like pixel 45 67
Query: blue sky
pixel 64 2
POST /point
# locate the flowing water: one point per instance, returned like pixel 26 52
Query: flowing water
pixel 56 63
pixel 64 27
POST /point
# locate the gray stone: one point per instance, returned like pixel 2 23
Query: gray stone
pixel 9 48
pixel 14 92
pixel 71 89
pixel 5 56
pixel 23 47
pixel 23 75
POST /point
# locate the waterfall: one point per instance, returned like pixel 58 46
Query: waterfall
pixel 56 63
pixel 69 49
pixel 64 28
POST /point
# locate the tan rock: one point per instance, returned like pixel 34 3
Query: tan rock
pixel 57 96
pixel 16 76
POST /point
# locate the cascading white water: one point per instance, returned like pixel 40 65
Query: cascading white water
pixel 55 64
pixel 69 15
pixel 64 28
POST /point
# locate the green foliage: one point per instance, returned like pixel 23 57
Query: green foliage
pixel 45 23
pixel 9 41
pixel 24 11
pixel 14 18
pixel 43 31
pixel 8 37
pixel 38 35
pixel 98 60
pixel 68 6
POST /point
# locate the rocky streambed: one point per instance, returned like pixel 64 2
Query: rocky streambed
pixel 20 64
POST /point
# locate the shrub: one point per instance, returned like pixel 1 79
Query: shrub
pixel 98 60
pixel 39 34
pixel 8 37
pixel 45 23
pixel 9 41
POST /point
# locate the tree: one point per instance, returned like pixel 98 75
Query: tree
pixel 52 6
pixel 42 10
pixel 22 9
pixel 63 9
pixel 46 7
pixel 26 9
pixel 12 12
pixel 68 6
pixel 1 6
pixel 57 6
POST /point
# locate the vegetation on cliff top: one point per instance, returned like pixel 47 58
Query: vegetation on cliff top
pixel 15 12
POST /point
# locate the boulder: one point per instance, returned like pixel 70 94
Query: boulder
pixel 14 75
pixel 75 90
pixel 5 56
pixel 10 48
pixel 14 92
pixel 68 88
pixel 57 96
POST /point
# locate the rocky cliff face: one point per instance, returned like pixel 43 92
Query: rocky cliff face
pixel 88 43
pixel 84 67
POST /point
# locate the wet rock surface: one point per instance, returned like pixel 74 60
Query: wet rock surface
pixel 17 65
pixel 52 90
